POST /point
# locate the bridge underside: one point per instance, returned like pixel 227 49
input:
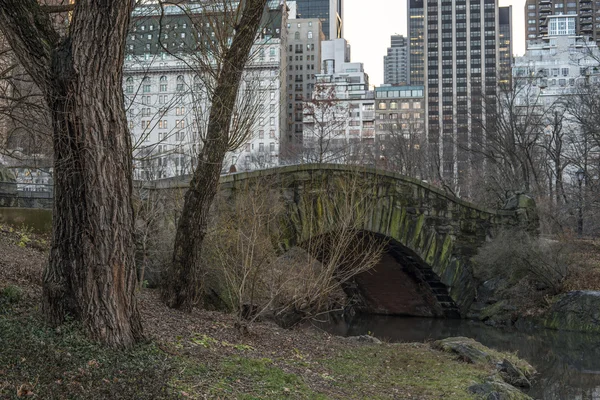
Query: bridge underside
pixel 402 284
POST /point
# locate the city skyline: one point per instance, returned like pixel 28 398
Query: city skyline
pixel 368 31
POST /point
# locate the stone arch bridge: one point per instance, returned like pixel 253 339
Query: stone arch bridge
pixel 430 235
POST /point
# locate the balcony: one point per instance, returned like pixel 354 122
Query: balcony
pixel 368 115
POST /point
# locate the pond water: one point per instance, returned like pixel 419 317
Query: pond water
pixel 568 363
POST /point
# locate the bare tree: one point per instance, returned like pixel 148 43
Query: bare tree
pixel 91 273
pixel 182 279
pixel 510 144
pixel 325 118
pixel 401 147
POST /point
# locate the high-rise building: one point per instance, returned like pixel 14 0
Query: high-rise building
pixel 462 73
pixel 585 12
pixel 330 12
pixel 395 63
pixel 416 42
pixel 304 62
pixel 505 46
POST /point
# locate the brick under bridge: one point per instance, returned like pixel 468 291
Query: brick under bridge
pixel 430 235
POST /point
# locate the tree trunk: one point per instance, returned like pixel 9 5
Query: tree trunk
pixel 91 271
pixel 182 280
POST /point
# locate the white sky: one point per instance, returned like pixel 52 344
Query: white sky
pixel 368 26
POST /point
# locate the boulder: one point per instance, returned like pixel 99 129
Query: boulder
pixel 501 385
pixel 496 389
pixel 365 338
pixel 466 348
pixel 512 375
pixel 575 311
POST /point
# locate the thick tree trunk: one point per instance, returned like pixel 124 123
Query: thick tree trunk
pixel 91 272
pixel 182 280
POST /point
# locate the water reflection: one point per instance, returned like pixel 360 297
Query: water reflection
pixel 568 363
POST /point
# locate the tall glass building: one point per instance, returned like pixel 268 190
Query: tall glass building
pixel 330 12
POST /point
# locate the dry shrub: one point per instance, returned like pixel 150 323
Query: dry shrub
pixel 516 256
pixel 248 272
pixel 585 271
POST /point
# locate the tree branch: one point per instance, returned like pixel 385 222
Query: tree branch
pixel 28 30
pixel 57 9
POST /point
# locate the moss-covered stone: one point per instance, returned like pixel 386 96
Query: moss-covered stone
pixel 575 311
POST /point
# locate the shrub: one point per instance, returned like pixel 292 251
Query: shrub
pixel 516 256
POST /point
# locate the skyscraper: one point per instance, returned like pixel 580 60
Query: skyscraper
pixel 330 12
pixel 416 40
pixel 395 63
pixel 462 72
pixel 505 46
pixel 587 19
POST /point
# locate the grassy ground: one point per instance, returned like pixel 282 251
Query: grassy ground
pixel 201 355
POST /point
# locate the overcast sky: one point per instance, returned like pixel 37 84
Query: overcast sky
pixel 368 26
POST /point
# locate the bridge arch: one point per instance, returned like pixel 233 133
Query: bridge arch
pixel 431 235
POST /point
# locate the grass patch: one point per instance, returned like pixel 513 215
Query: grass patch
pixel 63 364
pixel 10 294
pixel 404 371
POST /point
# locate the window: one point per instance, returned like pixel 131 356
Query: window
pixel 163 83
pixel 129 86
pixel 180 83
pixel 297 35
pixel 310 35
pixel 393 105
pixel 146 86
pixel 261 147
pixel 272 147
pixel 272 121
pixel 382 106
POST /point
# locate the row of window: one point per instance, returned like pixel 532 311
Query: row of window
pixel 393 105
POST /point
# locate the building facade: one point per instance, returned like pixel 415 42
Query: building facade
pixel 168 82
pixel 330 12
pixel 395 63
pixel 462 69
pixel 303 63
pixel 339 120
pixel 399 109
pixel 584 12
pixel 400 129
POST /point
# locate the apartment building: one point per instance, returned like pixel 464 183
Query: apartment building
pixel 339 120
pixel 168 81
pixel 585 13
pixel 303 63
pixel 395 63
